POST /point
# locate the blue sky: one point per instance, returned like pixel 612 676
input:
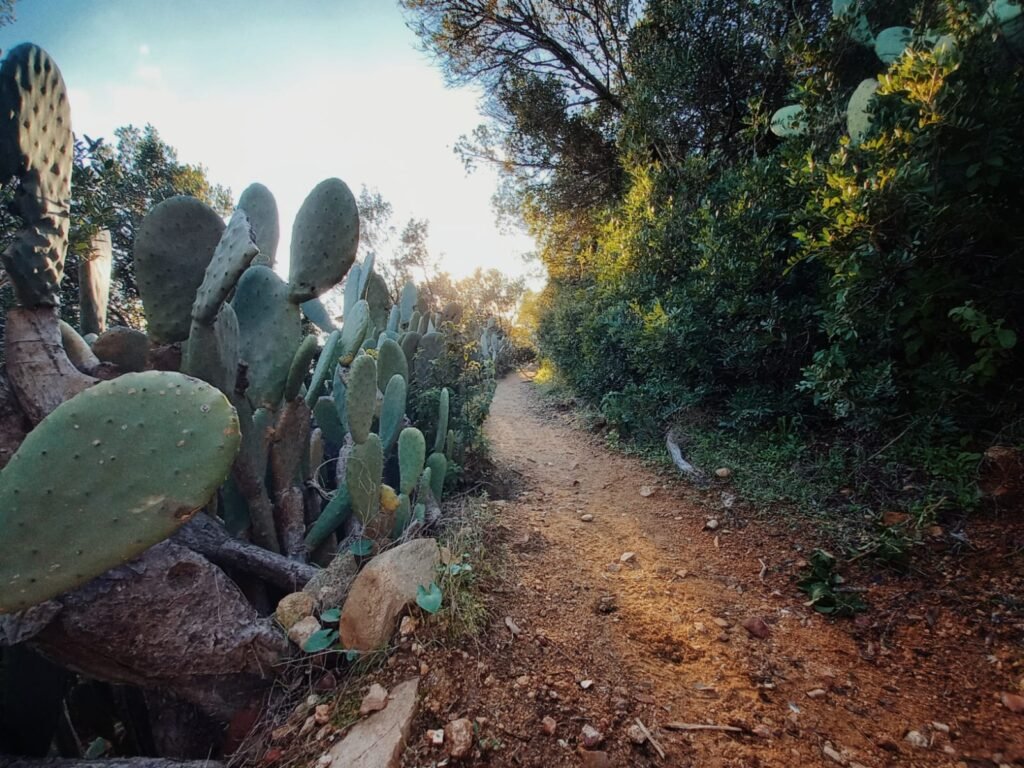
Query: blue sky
pixel 286 93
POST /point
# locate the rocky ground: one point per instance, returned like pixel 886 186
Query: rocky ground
pixel 627 629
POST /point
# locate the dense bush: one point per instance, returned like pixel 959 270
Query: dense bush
pixel 870 292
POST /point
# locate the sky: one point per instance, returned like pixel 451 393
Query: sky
pixel 287 93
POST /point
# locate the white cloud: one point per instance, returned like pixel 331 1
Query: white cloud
pixel 144 50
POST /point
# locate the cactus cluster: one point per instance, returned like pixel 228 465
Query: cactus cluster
pixel 221 403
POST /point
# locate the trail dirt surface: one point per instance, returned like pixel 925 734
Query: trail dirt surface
pixel 644 618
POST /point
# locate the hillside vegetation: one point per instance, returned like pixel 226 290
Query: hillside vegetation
pixel 834 313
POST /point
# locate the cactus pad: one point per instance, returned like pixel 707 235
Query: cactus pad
pixel 438 466
pixel 259 205
pixel 407 304
pixel 390 361
pixel 362 478
pixel 108 474
pixel 36 145
pixel 859 111
pixel 317 313
pixel 94 284
pixel 231 258
pixel 392 410
pixel 325 236
pixel 300 367
pixel 324 369
pixel 353 331
pixel 361 397
pixel 412 451
pixel 378 298
pixel 211 352
pixel 270 328
pixel 173 248
pixel 442 420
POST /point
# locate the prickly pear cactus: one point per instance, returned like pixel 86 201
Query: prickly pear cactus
pixel 378 298
pixel 270 328
pixel 390 361
pixel 353 331
pixel 407 303
pixel 260 206
pixel 412 452
pixel 108 474
pixel 94 284
pixel 361 397
pixel 442 421
pixel 392 410
pixel 211 353
pixel 37 146
pixel 231 258
pixel 859 112
pixel 325 236
pixel 438 466
pixel 173 248
pixel 363 478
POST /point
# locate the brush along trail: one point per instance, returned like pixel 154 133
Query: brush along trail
pixel 639 621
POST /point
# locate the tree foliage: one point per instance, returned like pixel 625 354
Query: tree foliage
pixel 864 292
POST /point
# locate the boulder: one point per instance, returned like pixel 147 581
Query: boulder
pixel 379 740
pixel 330 586
pixel 293 608
pixel 383 589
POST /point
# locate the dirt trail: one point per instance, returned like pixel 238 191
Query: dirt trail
pixel 661 635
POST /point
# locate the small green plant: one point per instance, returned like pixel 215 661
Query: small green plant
pixel 822 584
pixel 429 598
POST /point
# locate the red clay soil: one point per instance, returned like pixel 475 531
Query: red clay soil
pixel 584 636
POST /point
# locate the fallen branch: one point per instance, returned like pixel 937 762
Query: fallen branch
pixel 701 727
pixel 650 738
pixel 677 458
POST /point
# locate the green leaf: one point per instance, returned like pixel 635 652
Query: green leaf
pixel 361 547
pixel 429 599
pixel 320 640
pixel 331 616
pixel 1007 338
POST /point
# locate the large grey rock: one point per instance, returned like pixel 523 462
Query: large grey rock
pixel 378 741
pixel 382 590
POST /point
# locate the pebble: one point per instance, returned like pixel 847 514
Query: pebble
pixel 817 693
pixel 585 684
pixel 436 738
pixel 375 700
pixel 755 626
pixel 424 669
pixel 636 734
pixel 408 626
pixel 588 518
pixel 549 725
pixel 722 623
pixel 711 525
pixel 590 736
pixel 459 735
pixel 627 557
pixel 723 472
pixel 829 751
pixel 916 739
pixel 322 714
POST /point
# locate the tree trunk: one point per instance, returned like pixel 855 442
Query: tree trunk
pixel 170 621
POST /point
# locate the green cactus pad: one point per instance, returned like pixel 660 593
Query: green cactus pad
pixel 410 343
pixel 407 303
pixel 317 313
pixel 270 328
pixel 325 236
pixel 363 477
pixel 212 353
pixel 259 205
pixel 231 258
pixel 438 466
pixel 126 348
pixel 108 474
pixel 324 369
pixel 394 316
pixel 364 274
pixel 334 514
pixel 390 361
pixel 326 416
pixel 890 43
pixel 442 420
pixel 424 487
pixel 414 322
pixel 424 326
pixel 392 410
pixel 94 284
pixel 379 299
pixel 36 145
pixel 412 451
pixel 402 516
pixel 859 111
pixel 353 331
pixel 361 398
pixel 78 350
pixel 339 393
pixel 351 295
pixel 315 455
pixel 449 444
pixel 173 248
pixel 789 121
pixel 300 366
